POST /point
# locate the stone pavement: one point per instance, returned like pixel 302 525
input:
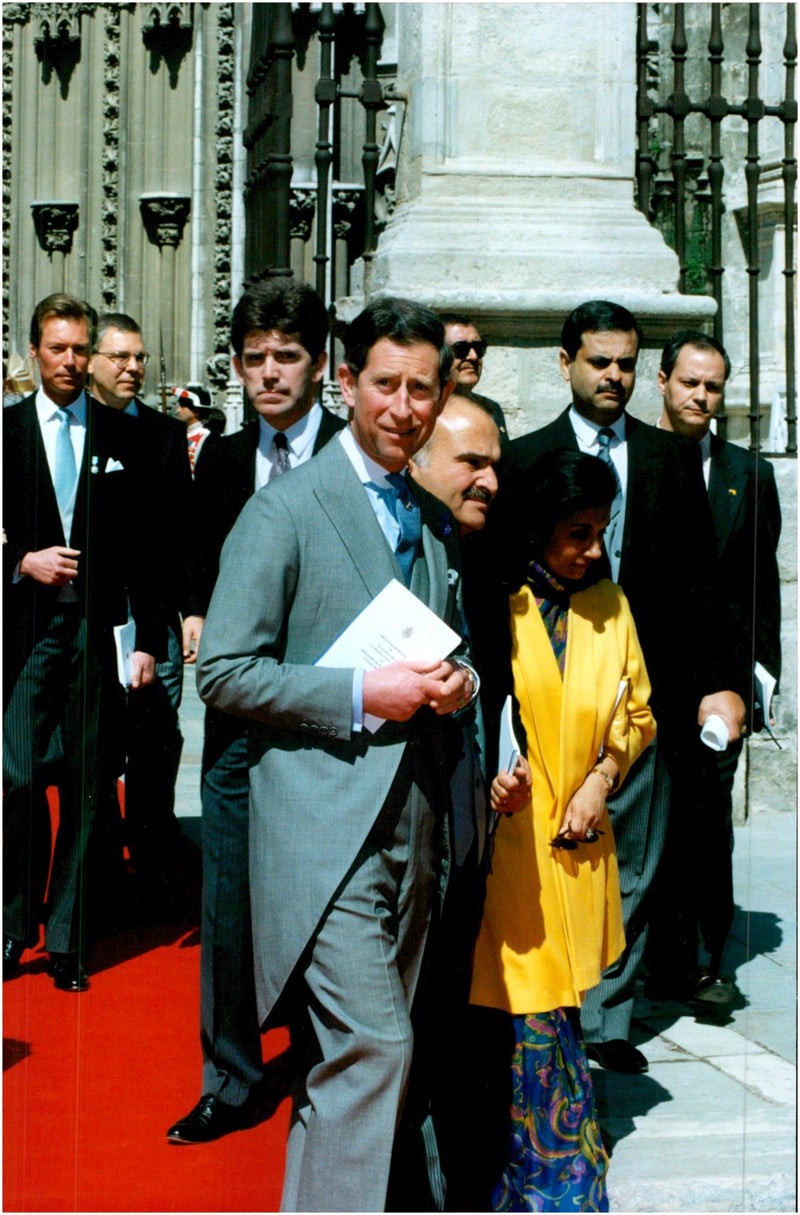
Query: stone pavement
pixel 712 1125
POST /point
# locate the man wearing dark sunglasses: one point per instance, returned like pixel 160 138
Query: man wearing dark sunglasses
pixel 468 349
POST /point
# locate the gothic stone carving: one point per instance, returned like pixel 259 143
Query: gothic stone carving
pixel 165 217
pixel 302 204
pixel 55 223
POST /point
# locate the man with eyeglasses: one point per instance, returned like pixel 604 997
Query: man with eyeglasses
pixel 468 349
pixel 76 553
pixel 153 737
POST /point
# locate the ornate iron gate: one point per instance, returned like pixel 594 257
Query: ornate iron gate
pixel 681 183
pixel 278 208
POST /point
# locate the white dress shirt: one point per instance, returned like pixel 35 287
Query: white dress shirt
pixel 586 433
pixel 300 439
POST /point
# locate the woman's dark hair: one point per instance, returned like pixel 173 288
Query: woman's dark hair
pixel 564 482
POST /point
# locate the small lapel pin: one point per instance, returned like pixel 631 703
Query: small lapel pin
pixel 732 492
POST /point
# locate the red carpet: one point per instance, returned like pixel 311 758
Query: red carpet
pixel 93 1081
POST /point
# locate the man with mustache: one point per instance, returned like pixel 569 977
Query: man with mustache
pixel 279 330
pixel 659 547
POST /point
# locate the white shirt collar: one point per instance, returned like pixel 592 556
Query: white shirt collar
pixel 300 436
pixel 46 409
pixel 366 468
pixel 587 431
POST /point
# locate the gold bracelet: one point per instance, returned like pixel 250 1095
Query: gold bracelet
pixel 610 782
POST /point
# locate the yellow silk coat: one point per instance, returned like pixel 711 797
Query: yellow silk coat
pixel 552 919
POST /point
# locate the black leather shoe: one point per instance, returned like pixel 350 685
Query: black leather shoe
pixel 618 1056
pixel 67 973
pixel 714 989
pixel 211 1119
pixel 12 952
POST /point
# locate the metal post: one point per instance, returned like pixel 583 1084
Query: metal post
pixel 325 95
pixel 789 173
pixel 371 98
pixel 754 112
pixel 644 112
pixel 716 109
pixel 279 160
pixel 680 109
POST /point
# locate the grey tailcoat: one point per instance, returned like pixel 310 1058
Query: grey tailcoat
pixel 304 558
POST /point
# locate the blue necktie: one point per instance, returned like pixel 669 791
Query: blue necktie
pixel 407 514
pixel 65 472
pixel 613 538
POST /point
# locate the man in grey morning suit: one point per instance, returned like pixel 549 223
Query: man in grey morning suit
pixel 345 824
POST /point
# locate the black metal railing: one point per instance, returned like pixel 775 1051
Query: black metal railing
pixel 689 207
pixel 341 215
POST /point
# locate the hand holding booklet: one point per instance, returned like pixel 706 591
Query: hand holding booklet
pixel 395 627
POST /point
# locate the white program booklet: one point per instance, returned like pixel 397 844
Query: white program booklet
pixel 509 747
pixel 124 643
pixel 395 627
pixel 765 689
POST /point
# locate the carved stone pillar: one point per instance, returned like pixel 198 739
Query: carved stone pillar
pixel 348 223
pixel 302 207
pixel 164 216
pixel 55 224
pixel 515 199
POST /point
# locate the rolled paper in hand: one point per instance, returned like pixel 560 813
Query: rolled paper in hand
pixel 714 733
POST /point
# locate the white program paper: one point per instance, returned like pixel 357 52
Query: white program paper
pixel 395 627
pixel 509 747
pixel 124 644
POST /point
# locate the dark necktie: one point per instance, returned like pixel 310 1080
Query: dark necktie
pixel 613 538
pixel 407 514
pixel 281 463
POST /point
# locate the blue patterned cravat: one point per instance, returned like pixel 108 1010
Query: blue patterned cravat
pixel 406 512
pixel 613 537
pixel 65 473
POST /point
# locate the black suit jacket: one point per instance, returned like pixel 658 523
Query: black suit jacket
pixel 747 526
pixel 225 478
pixel 111 527
pixel 170 489
pixel 666 567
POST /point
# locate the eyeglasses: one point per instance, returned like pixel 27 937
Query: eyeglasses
pixel 569 845
pixel 462 349
pixel 123 357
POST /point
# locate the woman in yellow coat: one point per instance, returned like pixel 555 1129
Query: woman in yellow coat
pixel 552 919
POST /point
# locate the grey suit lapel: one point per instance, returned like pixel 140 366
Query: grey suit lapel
pixel 344 500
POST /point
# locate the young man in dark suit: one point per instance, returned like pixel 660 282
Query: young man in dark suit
pixel 279 332
pixel 153 737
pixel 78 550
pixel 747 522
pixel 659 548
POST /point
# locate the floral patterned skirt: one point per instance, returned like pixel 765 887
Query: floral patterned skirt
pixel 557 1161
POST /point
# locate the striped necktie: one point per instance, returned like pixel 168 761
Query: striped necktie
pixel 613 537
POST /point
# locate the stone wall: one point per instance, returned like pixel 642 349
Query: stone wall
pixel 119 131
